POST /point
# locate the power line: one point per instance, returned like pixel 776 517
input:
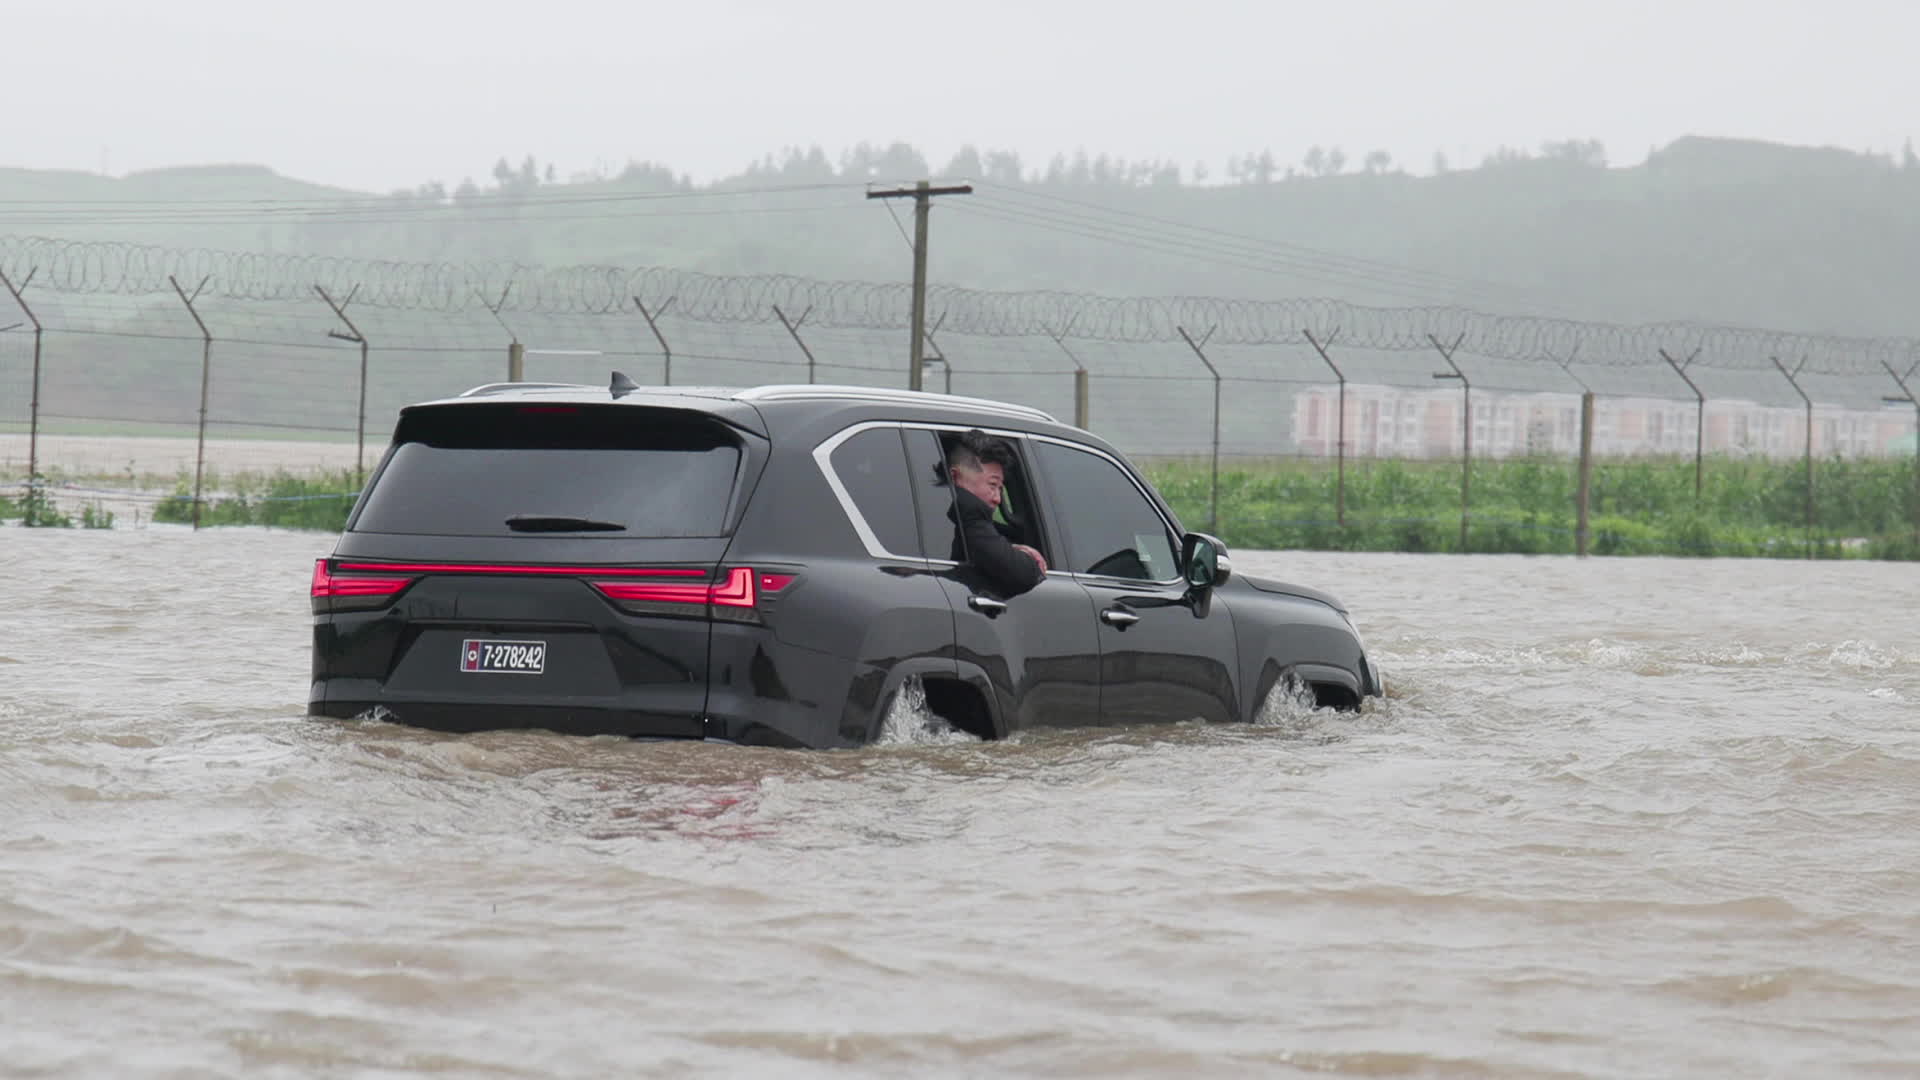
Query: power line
pixel 449 216
pixel 1216 255
pixel 349 202
pixel 1301 251
pixel 1260 257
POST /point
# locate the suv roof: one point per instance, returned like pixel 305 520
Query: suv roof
pixel 758 395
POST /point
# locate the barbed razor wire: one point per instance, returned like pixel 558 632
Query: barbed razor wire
pixel 101 268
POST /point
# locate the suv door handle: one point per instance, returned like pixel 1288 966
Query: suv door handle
pixel 1119 616
pixel 986 605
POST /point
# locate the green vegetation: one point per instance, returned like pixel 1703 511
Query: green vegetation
pixel 34 508
pixel 1862 507
pixel 282 500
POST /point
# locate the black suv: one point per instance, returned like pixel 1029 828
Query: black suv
pixel 772 566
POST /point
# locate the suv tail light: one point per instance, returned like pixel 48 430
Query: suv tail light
pixel 340 585
pixel 331 592
pixel 736 595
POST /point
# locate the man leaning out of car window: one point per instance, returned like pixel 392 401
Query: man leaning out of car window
pixel 977 463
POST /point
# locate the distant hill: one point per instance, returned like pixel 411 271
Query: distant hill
pixel 1713 230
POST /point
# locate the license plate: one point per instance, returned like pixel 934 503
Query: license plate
pixel 509 657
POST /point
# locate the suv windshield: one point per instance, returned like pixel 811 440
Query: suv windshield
pixel 526 470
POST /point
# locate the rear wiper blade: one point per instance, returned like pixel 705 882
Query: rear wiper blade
pixel 560 523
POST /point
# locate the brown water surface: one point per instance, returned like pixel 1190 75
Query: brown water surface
pixel 1618 818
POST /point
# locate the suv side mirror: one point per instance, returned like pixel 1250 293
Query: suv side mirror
pixel 1204 561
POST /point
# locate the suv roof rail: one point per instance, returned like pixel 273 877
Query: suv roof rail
pixel 504 387
pixel 827 391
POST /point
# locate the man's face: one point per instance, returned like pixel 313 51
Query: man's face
pixel 985 482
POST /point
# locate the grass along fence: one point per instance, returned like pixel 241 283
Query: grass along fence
pixel 1863 507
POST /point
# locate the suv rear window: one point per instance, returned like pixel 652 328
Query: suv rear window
pixel 466 470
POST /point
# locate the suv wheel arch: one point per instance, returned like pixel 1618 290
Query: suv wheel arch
pixel 958 692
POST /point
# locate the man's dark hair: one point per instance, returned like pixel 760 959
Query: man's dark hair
pixel 976 448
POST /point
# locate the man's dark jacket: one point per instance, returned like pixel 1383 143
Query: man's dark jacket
pixel 987 546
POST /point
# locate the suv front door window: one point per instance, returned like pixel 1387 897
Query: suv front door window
pixel 1111 529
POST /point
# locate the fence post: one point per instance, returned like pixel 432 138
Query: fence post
pixel 939 355
pixel 1080 387
pixel 1466 427
pixel 1910 398
pixel 33 407
pixel 516 352
pixel 1340 483
pixel 1795 383
pixel 1700 417
pixel 793 331
pixel 666 369
pixel 206 376
pixel 1213 486
pixel 354 335
pixel 1582 499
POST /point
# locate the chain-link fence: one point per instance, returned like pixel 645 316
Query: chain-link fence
pixel 1284 423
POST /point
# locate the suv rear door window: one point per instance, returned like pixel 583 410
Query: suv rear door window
pixel 1111 527
pixel 932 492
pixel 615 470
pixel 873 470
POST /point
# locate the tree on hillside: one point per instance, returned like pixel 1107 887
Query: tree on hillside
pixel 648 176
pixel 1588 152
pixel 511 181
pixel 896 161
pixel 811 166
pixel 1324 161
pixel 1505 156
pixel 1003 167
pixel 1378 161
pixel 965 163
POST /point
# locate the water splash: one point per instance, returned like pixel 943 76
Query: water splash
pixel 911 722
pixel 1289 705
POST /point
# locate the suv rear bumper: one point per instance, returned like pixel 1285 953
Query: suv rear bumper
pixel 346 701
pixel 763 692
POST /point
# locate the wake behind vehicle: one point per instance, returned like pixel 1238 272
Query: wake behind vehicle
pixel 771 565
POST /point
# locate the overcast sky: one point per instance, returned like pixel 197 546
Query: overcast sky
pixel 378 94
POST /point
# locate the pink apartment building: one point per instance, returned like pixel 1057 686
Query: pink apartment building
pixel 1389 421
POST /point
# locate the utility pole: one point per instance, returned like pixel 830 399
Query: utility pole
pixel 922 195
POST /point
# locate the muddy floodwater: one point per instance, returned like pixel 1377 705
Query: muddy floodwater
pixel 1617 818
